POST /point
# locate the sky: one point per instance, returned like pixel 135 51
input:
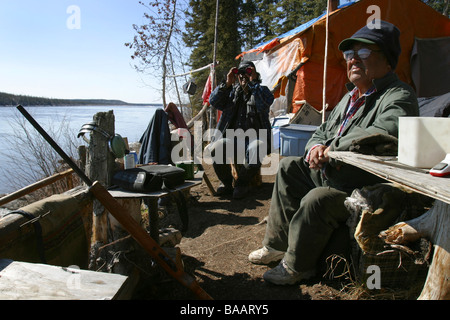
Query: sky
pixel 72 49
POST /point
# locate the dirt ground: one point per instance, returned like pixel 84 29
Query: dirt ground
pixel 221 234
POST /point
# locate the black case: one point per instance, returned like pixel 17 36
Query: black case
pixel 149 178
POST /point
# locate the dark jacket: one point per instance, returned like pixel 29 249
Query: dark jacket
pixel 156 141
pixel 224 99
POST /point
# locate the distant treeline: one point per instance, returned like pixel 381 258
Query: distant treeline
pixel 7 99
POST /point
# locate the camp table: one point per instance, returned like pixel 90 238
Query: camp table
pixel 152 200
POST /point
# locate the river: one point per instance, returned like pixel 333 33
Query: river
pixel 130 122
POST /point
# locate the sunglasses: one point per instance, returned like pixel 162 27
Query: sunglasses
pixel 363 53
pixel 247 71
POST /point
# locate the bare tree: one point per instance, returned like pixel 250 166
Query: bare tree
pixel 155 41
pixel 33 158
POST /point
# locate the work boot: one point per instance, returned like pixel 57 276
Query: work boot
pixel 240 192
pixel 283 275
pixel 265 255
pixel 224 190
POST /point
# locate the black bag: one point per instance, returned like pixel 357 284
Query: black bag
pixel 149 178
pixel 190 87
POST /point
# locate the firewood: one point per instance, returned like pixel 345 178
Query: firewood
pixel 432 225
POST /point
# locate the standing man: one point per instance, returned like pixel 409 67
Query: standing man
pixel 244 131
pixel 309 192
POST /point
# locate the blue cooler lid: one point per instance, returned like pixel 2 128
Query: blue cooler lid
pixel 298 127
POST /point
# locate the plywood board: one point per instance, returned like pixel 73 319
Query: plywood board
pixel 29 281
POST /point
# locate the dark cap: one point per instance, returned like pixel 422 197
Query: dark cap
pixel 386 37
pixel 246 64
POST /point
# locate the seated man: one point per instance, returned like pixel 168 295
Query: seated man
pixel 309 192
pixel 245 104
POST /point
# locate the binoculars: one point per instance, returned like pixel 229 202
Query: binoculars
pixel 247 71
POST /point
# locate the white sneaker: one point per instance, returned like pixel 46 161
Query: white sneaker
pixel 265 255
pixel 283 275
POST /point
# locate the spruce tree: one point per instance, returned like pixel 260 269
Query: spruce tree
pixel 200 34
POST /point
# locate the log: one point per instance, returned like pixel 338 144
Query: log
pixel 433 225
pixel 99 167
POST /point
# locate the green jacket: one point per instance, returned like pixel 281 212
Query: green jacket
pixel 392 99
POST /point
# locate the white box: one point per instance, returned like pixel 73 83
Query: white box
pixel 307 114
pixel 423 141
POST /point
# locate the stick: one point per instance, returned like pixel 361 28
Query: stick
pixel 324 106
pixel 35 186
pixel 125 219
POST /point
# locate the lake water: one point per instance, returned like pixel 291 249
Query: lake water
pixel 130 122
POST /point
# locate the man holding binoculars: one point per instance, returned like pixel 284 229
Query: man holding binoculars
pixel 245 104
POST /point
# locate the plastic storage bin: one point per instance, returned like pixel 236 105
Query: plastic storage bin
pixel 276 124
pixel 294 137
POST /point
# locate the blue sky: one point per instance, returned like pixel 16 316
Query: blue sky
pixel 43 53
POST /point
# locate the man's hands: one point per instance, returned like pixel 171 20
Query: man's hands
pixel 231 77
pixel 243 78
pixel 318 156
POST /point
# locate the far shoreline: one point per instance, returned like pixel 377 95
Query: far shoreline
pixel 12 100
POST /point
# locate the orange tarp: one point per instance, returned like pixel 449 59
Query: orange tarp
pixel 414 19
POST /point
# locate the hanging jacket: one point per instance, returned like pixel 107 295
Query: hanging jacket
pixel 156 140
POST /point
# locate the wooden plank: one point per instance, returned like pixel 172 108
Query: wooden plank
pixel 122 193
pixel 418 180
pixel 35 186
pixel 29 281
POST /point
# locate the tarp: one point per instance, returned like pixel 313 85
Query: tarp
pixel 428 59
pixel 306 44
pixel 58 233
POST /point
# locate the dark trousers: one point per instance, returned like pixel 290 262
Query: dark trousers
pixel 226 151
pixel 303 214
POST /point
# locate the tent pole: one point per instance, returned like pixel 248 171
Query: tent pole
pixel 212 115
pixel 324 103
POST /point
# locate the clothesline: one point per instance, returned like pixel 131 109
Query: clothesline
pixel 193 71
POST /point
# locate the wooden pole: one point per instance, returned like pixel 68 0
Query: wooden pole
pixel 35 186
pixel 212 115
pixel 324 102
pixel 99 167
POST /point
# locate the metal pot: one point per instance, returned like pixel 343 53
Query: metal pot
pixel 116 143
